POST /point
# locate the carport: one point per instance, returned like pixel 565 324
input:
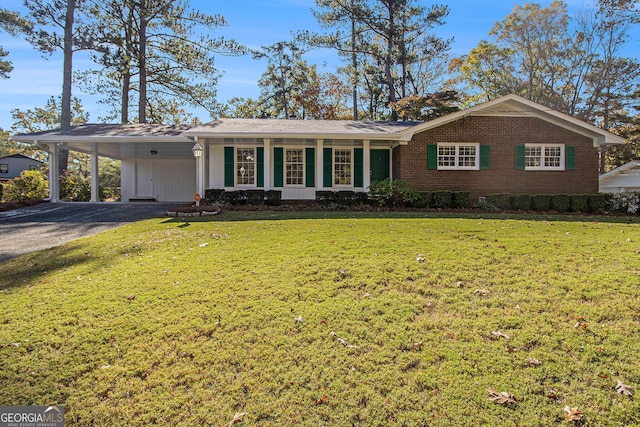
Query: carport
pixel 158 163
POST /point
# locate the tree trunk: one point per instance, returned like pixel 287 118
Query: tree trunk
pixel 354 63
pixel 387 64
pixel 126 77
pixel 142 62
pixel 67 76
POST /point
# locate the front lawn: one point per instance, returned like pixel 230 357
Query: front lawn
pixel 328 322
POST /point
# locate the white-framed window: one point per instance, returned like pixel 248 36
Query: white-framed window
pixel 544 157
pixel 245 166
pixel 4 168
pixel 342 169
pixel 464 156
pixel 294 166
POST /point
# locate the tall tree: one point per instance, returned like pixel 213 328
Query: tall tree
pixel 13 24
pixel 161 51
pixel 59 27
pixel 287 76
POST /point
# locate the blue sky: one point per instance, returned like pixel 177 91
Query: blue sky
pixel 253 23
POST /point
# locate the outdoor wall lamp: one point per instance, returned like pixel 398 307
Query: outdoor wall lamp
pixel 197 150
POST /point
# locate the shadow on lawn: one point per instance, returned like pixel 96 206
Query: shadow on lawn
pixel 267 215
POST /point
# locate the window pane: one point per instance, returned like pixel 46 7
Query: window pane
pixel 447 155
pixel 552 157
pixel 245 163
pixel 533 156
pixel 467 156
pixel 295 166
pixel 342 167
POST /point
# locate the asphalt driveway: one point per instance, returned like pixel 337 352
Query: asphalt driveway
pixel 47 225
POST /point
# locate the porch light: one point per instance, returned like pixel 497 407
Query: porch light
pixel 197 150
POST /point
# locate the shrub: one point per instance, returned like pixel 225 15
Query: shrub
pixel 541 202
pixel 395 193
pixel 238 197
pixel 442 199
pixel 273 197
pixel 30 185
pixel 421 201
pixel 326 198
pixel 560 202
pixel 255 197
pixel 520 202
pixel 461 199
pixel 595 202
pixel 578 203
pixel 1 191
pixel 500 200
pixel 212 195
pixel 75 187
pixel 624 202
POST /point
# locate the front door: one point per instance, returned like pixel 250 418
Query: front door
pixel 144 179
pixel 379 165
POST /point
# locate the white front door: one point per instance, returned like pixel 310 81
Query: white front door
pixel 144 179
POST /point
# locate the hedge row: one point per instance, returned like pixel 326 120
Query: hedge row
pixel 544 202
pixel 244 197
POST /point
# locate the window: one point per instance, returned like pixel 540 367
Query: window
pixel 458 156
pixel 544 157
pixel 4 168
pixel 245 166
pixel 342 167
pixel 294 166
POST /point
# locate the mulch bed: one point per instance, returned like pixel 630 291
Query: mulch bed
pixel 17 205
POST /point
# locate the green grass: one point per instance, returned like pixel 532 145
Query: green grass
pixel 171 323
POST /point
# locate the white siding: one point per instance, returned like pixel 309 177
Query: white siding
pixel 174 180
pixel 216 167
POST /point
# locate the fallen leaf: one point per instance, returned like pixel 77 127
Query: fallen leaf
pixel 420 258
pixel 533 362
pixel 237 418
pixel 204 245
pixel 131 297
pixel 323 321
pixel 501 397
pixel 623 389
pixel 572 414
pixel 299 319
pixel 481 292
pixel 499 334
pixel 322 400
pixel 510 348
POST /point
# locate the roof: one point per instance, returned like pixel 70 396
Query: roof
pixel 20 156
pixel 516 106
pixel 91 132
pixel 630 168
pixel 310 129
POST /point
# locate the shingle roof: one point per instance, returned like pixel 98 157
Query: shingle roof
pixel 112 131
pixel 298 128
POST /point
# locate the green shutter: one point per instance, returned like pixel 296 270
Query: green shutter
pixel 485 157
pixel 432 156
pixel 520 157
pixel 229 166
pixel 260 167
pixel 327 167
pixel 570 158
pixel 310 167
pixel 358 164
pixel 278 167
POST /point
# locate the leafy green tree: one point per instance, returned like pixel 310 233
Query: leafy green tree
pixel 13 24
pixel 158 52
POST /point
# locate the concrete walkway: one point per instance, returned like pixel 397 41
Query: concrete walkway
pixel 47 225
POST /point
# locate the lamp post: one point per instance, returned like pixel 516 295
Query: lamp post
pixel 197 153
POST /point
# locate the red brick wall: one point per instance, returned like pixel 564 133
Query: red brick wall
pixel 503 134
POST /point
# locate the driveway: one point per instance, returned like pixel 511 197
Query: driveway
pixel 47 225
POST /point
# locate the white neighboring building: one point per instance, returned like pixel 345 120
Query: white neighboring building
pixel 623 179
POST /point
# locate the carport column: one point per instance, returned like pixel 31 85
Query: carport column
pixel 267 164
pixel 366 164
pixel 319 163
pixel 94 173
pixel 54 180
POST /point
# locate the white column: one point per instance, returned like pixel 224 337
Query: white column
pixel 319 164
pixel 95 189
pixel 366 164
pixel 54 180
pixel 200 170
pixel 391 163
pixel 267 164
